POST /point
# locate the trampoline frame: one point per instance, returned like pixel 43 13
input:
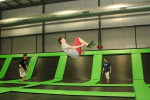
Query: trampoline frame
pixel 141 89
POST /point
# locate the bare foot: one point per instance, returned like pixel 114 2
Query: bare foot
pixel 82 52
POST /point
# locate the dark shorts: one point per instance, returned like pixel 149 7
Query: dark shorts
pixel 76 43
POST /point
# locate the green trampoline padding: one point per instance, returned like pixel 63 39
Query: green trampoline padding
pixel 137 69
pixel 112 52
pixel 61 67
pixel 85 93
pixel 5 67
pixel 142 96
pixel 3 90
pixel 31 66
pixel 138 79
pixel 80 84
pixel 139 85
pixel 60 70
pixel 14 56
pixel 96 70
pixel 141 89
pixel 32 84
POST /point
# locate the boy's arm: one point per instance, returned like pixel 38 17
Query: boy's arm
pixel 27 67
pixel 110 67
pixel 21 67
pixel 103 69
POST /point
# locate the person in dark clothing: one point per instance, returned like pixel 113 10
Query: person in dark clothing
pixel 107 68
pixel 22 68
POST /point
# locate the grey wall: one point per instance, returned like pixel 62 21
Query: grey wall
pixel 20 31
pixel 39 43
pixel 143 37
pixel 118 38
pixel 6 46
pixel 71 26
pixel 125 21
pixel 22 12
pixel 88 36
pixel 121 31
pixel 51 42
pixel 24 44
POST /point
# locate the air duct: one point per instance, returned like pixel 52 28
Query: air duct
pixel 79 13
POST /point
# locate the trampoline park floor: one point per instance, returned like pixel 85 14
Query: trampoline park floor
pixel 29 96
pixel 86 88
pixel 46 92
pixel 66 92
pixel 89 90
pixel 10 85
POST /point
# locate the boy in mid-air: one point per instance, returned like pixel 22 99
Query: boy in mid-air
pixel 75 50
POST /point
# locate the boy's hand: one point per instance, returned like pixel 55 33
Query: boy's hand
pixel 82 52
pixel 27 70
pixel 83 44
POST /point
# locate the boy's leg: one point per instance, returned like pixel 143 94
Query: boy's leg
pixel 82 41
pixel 23 75
pixel 107 80
pixel 107 76
pixel 22 80
pixel 79 41
pixel 88 45
pixel 76 43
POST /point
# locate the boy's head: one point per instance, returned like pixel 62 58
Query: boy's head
pixel 105 59
pixel 61 40
pixel 25 56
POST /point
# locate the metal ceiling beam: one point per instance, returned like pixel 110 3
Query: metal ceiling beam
pixel 10 6
pixel 43 1
pixel 31 2
pixel 1 8
pixel 18 2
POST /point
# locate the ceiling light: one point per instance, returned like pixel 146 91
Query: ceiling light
pixel 67 12
pixel 2 0
pixel 117 6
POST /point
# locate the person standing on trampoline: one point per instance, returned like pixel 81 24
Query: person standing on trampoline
pixel 107 68
pixel 75 50
pixel 22 68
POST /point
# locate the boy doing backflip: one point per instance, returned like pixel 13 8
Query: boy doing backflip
pixel 75 50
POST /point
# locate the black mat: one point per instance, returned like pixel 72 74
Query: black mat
pixel 45 69
pixel 71 81
pixel 2 60
pixel 121 69
pixel 10 85
pixel 146 67
pixel 27 96
pixel 13 69
pixel 78 70
pixel 81 88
